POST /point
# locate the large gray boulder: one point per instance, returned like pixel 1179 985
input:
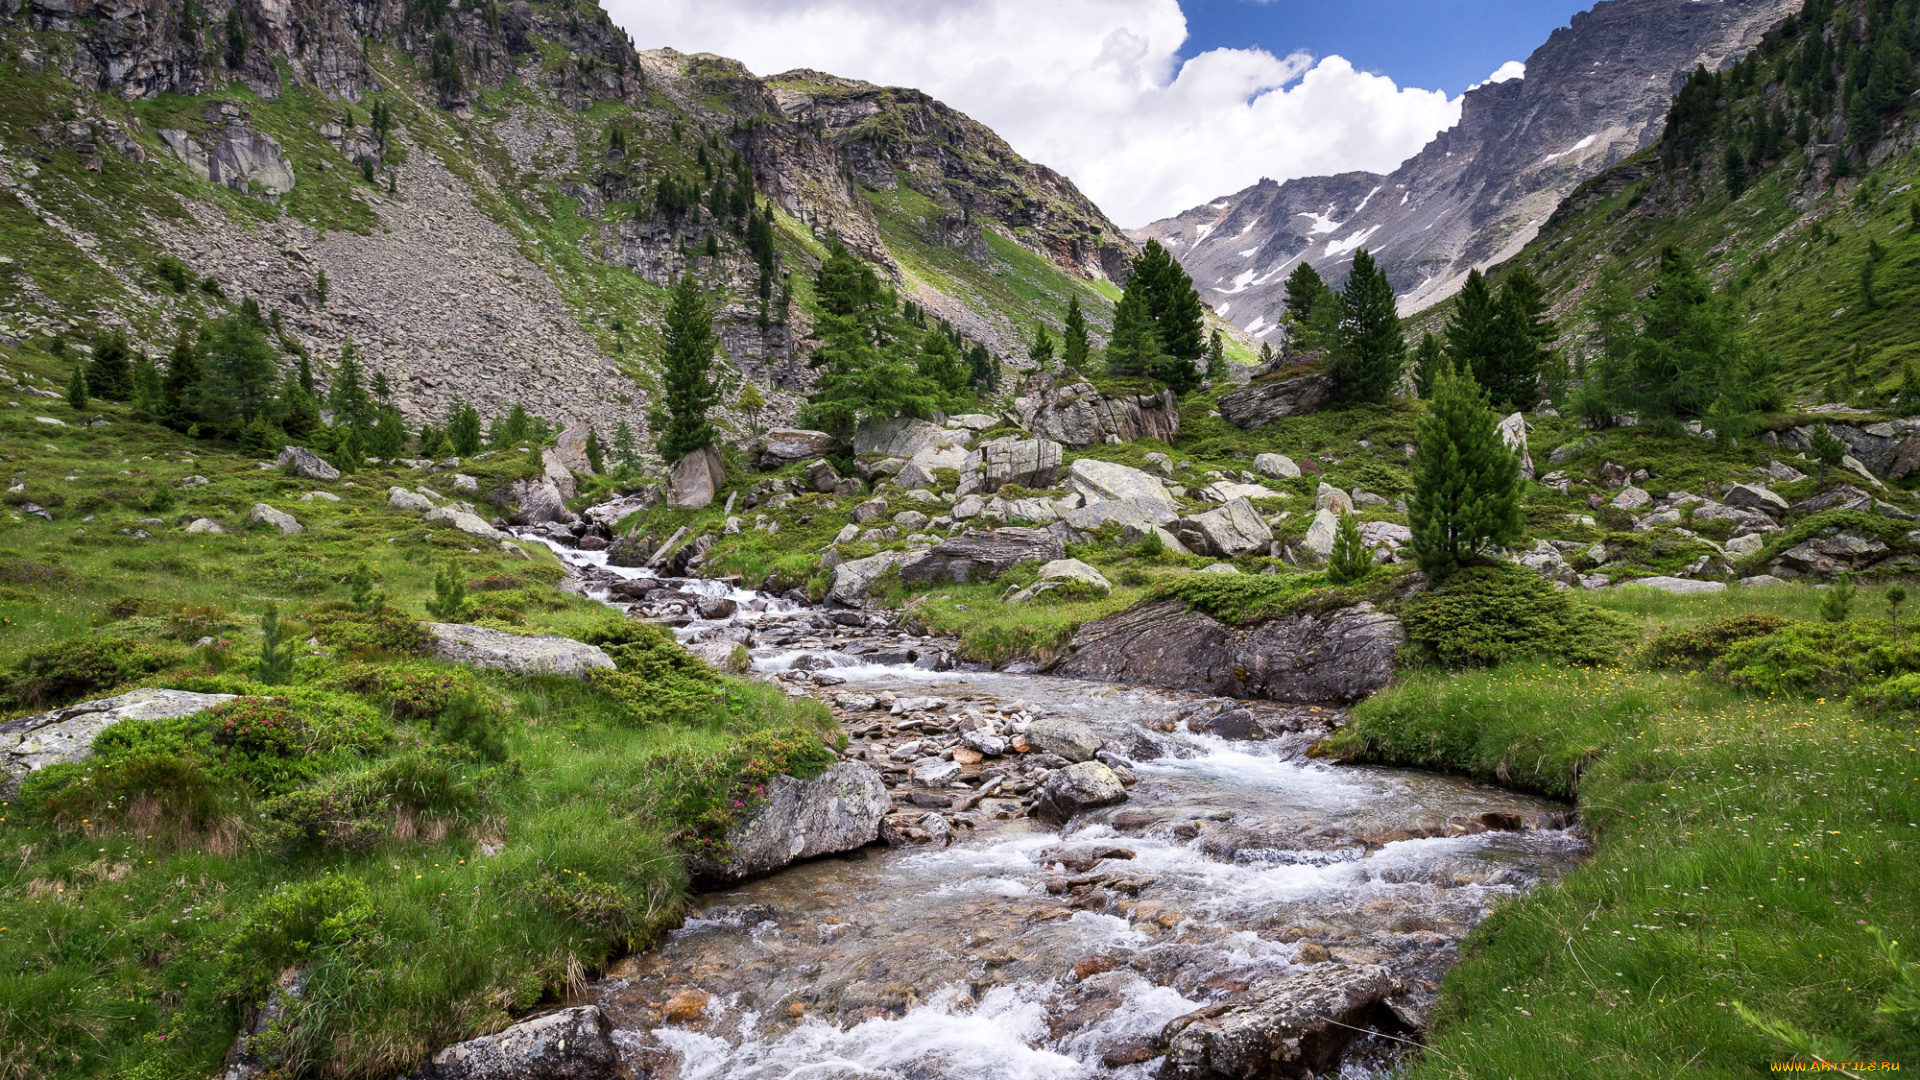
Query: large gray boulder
pixel 696 479
pixel 786 446
pixel 262 514
pixel 32 743
pixel 235 157
pixel 572 1044
pixel 1336 657
pixel 839 810
pixel 485 647
pixel 305 464
pixel 399 498
pixel 852 580
pixel 1234 530
pixel 1677 586
pixel 1257 406
pixel 1079 415
pixel 1276 467
pixel 1105 481
pixel 1756 497
pixel 1321 534
pixel 1029 463
pixel 1067 576
pixel 466 521
pixel 983 555
pixel 1069 739
pixel 1136 520
pixel 1295 1027
pixel 1086 785
pixel 903 437
pixel 541 501
pixel 922 470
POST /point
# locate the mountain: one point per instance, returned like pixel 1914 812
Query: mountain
pixel 1595 93
pixel 480 186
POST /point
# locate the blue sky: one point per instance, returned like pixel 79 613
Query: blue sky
pixel 1432 44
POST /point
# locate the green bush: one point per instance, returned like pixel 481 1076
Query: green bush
pixel 1898 696
pixel 1822 659
pixel 1488 615
pixel 380 631
pixel 78 668
pixel 1698 647
pixel 1245 599
pixel 293 926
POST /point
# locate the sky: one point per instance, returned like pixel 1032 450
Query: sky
pixel 1151 106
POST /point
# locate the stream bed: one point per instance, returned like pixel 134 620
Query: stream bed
pixel 1018 950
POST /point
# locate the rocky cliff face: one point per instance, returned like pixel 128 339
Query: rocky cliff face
pixel 499 239
pixel 1595 93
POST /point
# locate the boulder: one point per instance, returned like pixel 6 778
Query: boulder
pixel 1228 533
pixel 399 498
pixel 1321 534
pixel 1086 785
pixel 851 580
pixel 1761 581
pixel 572 1044
pixel 556 469
pixel 922 470
pixel 1064 575
pixel 1257 406
pixel 1741 547
pixel 1079 415
pixel 1335 657
pixel 1844 497
pixel 839 810
pixel 305 464
pixel 983 555
pixel 467 522
pixel 786 446
pixel 1513 432
pixel 973 421
pixel 1029 463
pixel 497 650
pixel 1332 498
pixel 1295 1027
pixel 1631 498
pixel 204 525
pixel 66 734
pixel 1276 467
pixel 262 514
pixel 903 437
pixel 1225 491
pixel 541 501
pixel 1104 481
pixel 1756 497
pixel 911 520
pixel 822 477
pixel 1135 520
pixel 696 479
pixel 1678 586
pixel 724 656
pixel 1825 556
pixel 1069 739
pixel 569 451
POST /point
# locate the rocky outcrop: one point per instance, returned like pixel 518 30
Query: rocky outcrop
pixel 1257 406
pixel 1027 463
pixel 1296 1027
pixel 1083 786
pixel 983 555
pixel 461 517
pixel 1276 467
pixel 1078 415
pixel 1104 481
pixel 66 734
pixel 786 446
pixel 852 580
pixel 484 647
pixel 235 157
pixel 1234 530
pixel 839 810
pixel 1337 657
pixel 1066 577
pixel 285 523
pixel 903 437
pixel 572 1044
pixel 696 479
pixel 540 501
pixel 305 464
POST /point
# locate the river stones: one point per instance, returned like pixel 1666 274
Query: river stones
pixel 485 647
pixel 839 810
pixel 1087 785
pixel 572 1044
pixel 1070 739
pixel 1295 1027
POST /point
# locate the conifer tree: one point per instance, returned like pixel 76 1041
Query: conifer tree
pixel 868 355
pixel 1132 348
pixel 1472 339
pixel 1350 560
pixel 1075 346
pixel 1041 351
pixel 941 364
pixel 276 652
pixel 1371 350
pixel 1909 390
pixel 983 372
pixel 347 396
pixel 388 440
pixel 1306 289
pixel 298 412
pixel 240 372
pixel 1466 483
pixel 463 428
pixel 1427 361
pixel 1522 338
pixel 596 463
pixel 687 388
pixel 625 450
pixel 306 373
pixel 1216 356
pixel 147 394
pixel 110 372
pixel 749 401
pixel 1158 326
pixel 77 388
pixel 180 386
pixel 449 594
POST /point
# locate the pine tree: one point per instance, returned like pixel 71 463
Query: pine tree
pixel 241 372
pixel 1306 289
pixel 687 388
pixel 298 413
pixel 180 386
pixel 1132 348
pixel 1466 483
pixel 110 372
pixel 449 595
pixel 1427 361
pixel 1350 560
pixel 463 428
pixel 1371 351
pixel 596 463
pixel 1216 356
pixel 983 372
pixel 1522 338
pixel 1158 326
pixel 276 652
pixel 941 364
pixel 1076 345
pixel 1041 351
pixel 147 393
pixel 1472 338
pixel 347 397
pixel 625 450
pixel 388 440
pixel 77 388
pixel 321 289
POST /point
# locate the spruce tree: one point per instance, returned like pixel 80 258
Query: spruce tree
pixel 596 462
pixel 347 396
pixel 180 386
pixel 1216 356
pixel 983 372
pixel 1306 289
pixel 686 384
pixel 388 440
pixel 110 372
pixel 147 393
pixel 1371 350
pixel 298 413
pixel 1427 361
pixel 1158 326
pixel 463 428
pixel 77 388
pixel 1350 560
pixel 625 450
pixel 241 372
pixel 1466 483
pixel 276 652
pixel 1522 337
pixel 1472 338
pixel 1041 351
pixel 1076 345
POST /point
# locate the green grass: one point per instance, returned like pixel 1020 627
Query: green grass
pixel 1743 845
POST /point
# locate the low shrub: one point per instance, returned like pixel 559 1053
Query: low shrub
pixel 1898 696
pixel 1488 615
pixel 1698 647
pixel 1245 599
pixel 79 668
pixel 1822 659
pixel 381 631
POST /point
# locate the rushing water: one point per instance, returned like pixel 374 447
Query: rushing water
pixel 1020 951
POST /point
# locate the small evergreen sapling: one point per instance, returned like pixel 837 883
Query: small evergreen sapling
pixel 361 591
pixel 77 389
pixel 1896 595
pixel 1837 602
pixel 625 451
pixel 449 595
pixel 276 652
pixel 1216 356
pixel 596 462
pixel 1350 560
pixel 1826 449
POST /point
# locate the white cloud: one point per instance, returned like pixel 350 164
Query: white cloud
pixel 1092 88
pixel 1507 72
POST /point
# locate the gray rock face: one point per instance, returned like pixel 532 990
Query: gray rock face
pixel 922 470
pixel 1321 534
pixel 572 1044
pixel 983 555
pixel 1086 785
pixel 852 580
pixel 1295 1027
pixel 1826 556
pixel 1104 481
pixel 235 157
pixel 541 501
pixel 1029 463
pixel 262 514
pixel 66 734
pixel 1079 415
pixel 1631 498
pixel 1307 659
pixel 484 647
pixel 1756 497
pixel 1234 530
pixel 903 437
pixel 1276 466
pixel 305 464
pixel 788 445
pixel 1257 406
pixel 399 498
pixel 1069 739
pixel 839 810
pixel 696 479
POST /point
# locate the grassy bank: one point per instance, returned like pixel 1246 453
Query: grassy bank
pixel 1746 845
pixel 432 849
